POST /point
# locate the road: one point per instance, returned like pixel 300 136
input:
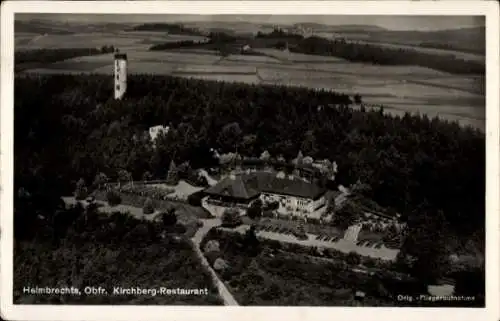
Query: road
pixel 196 239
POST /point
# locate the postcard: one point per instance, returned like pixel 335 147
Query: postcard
pixel 310 160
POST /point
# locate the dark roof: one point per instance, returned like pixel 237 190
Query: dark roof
pixel 233 187
pixel 250 185
pixel 121 56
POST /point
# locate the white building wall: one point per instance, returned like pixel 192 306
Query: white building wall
pixel 318 203
pixel 120 78
pixel 293 203
pixel 156 130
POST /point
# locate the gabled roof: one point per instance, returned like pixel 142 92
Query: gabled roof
pixel 249 185
pixel 233 186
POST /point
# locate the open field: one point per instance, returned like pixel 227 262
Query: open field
pixel 125 40
pixel 398 88
pixel 465 43
pixel 402 44
pixel 458 54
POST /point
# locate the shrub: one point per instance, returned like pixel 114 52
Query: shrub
pixel 212 256
pixel 231 218
pixel 169 218
pixel 195 198
pixel 272 206
pixel 313 220
pixel 212 245
pixel 113 198
pixel 148 207
pixel 81 190
pixel 269 214
pixel 180 229
pixel 283 216
pixel 254 212
pixel 147 176
pixel 353 258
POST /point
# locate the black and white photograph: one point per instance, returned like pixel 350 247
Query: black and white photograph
pixel 255 160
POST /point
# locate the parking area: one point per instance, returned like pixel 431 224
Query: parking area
pixel 285 234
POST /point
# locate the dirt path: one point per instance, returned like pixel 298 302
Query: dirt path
pixel 196 239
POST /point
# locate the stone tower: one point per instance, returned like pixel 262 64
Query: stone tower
pixel 120 75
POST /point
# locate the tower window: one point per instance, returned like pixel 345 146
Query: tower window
pixel 117 87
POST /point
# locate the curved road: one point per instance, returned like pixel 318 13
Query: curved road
pixel 196 239
pixel 136 212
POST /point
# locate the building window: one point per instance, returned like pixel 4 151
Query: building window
pixel 117 87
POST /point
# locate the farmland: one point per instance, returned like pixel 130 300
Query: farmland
pixel 399 88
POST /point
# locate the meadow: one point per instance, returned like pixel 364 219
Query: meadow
pixel 399 88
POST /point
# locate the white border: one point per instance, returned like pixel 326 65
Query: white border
pixel 487 8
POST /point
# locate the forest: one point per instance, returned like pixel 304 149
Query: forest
pixel 286 274
pixel 68 127
pixel 351 51
pixel 25 59
pixel 174 28
pixel 81 247
pixel 377 55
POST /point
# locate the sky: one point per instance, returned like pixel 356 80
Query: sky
pixel 388 22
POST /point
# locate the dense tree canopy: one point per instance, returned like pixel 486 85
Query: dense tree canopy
pixel 26 59
pixel 79 132
pixel 174 28
pixel 69 127
pixel 378 55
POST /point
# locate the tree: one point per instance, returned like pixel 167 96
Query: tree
pixel 169 218
pixel 415 161
pixel 265 156
pixel 255 209
pixel 81 190
pixel 426 244
pixel 195 198
pixel 346 216
pixel 124 176
pixel 184 169
pixel 113 198
pixel 147 176
pixel 148 207
pixel 300 231
pixel 100 179
pixel 471 283
pixel 250 242
pixel 173 174
pixel 230 137
pixel 353 258
pixel 357 99
pixel 231 218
